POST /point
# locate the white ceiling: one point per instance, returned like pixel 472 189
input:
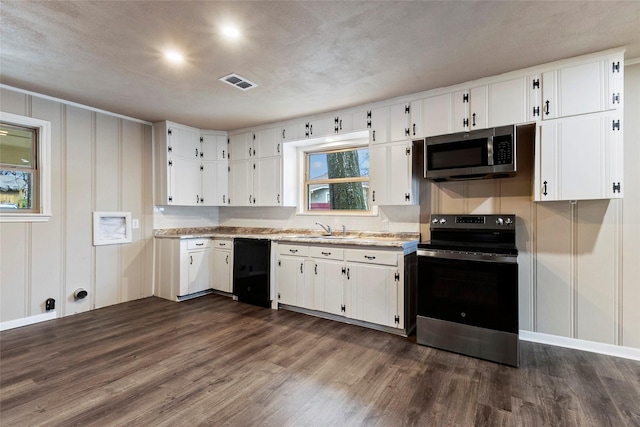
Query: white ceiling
pixel 306 57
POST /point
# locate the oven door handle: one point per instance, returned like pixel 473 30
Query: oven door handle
pixel 470 256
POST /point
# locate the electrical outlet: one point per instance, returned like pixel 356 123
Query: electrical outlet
pixel 135 223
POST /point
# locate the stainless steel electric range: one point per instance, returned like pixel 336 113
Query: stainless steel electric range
pixel 468 287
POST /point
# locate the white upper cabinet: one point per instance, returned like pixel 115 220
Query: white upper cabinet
pixel 580 158
pixel 341 123
pixel 399 187
pixel 470 109
pixel 399 118
pixel 183 141
pixel 266 143
pixel 416 121
pixel 514 101
pixel 267 182
pixel 292 132
pixel 583 88
pixel 241 146
pixel 377 120
pixel 215 183
pixel 436 115
pixel 241 183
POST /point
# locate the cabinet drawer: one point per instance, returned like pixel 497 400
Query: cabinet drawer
pixel 326 252
pixel 371 256
pixel 297 250
pixel 198 243
pixel 223 243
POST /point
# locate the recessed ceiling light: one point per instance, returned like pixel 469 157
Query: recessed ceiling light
pixel 174 57
pixel 231 32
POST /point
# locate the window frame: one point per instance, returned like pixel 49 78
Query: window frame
pixel 41 191
pixel 306 182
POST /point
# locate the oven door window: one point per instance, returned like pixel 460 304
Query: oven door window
pixel 483 294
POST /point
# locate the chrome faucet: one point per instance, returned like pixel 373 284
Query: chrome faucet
pixel 327 228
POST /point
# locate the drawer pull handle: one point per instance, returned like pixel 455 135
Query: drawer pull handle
pixel 369 257
pixel 222 244
pixel 293 251
pixel 199 244
pixel 326 253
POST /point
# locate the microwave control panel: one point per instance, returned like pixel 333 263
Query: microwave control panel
pixel 502 150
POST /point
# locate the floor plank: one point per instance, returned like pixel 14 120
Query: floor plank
pixel 215 361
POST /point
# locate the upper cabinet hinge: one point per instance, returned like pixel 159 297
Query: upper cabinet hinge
pixel 616 187
pixel 343 308
pixel 170 199
pixel 201 168
pixel 397 277
pixel 536 84
pixel 407 151
pixel 170 162
pixel 465 97
pixel 396 319
pixel 536 111
pixel 407 197
pixel 201 139
pixel 407 109
pixel 616 98
pixel 615 125
pixel 169 131
pixel 170 149
pixel 615 67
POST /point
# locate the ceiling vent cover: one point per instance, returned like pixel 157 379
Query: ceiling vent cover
pixel 238 82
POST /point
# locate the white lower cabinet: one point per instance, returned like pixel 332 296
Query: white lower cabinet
pixel 183 267
pixel 222 262
pixel 360 284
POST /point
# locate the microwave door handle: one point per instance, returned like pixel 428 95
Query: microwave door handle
pixel 490 150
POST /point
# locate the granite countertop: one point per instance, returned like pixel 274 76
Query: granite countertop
pixel 406 241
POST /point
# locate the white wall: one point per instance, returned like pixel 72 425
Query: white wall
pixel 99 162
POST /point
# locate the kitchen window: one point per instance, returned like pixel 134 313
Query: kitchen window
pixel 24 169
pixel 337 180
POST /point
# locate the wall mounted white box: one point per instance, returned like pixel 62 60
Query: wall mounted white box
pixel 111 228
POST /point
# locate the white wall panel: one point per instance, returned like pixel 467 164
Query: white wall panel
pixel 46 238
pixel 596 272
pixel 14 270
pixel 80 254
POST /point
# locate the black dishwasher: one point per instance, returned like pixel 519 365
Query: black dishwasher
pixel 251 267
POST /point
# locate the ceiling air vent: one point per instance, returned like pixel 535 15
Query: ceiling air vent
pixel 238 81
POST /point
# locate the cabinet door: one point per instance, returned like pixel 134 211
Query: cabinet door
pixel 215 178
pixel 184 142
pixel 416 121
pixel 578 89
pixel 292 132
pixel 378 175
pixel 400 180
pixel 241 183
pixel 214 147
pixel 221 274
pixel 319 127
pixel 508 102
pixel 267 142
pixel 240 146
pixel 576 156
pixel 341 123
pixel 379 125
pixel 478 108
pixel 399 122
pixel 291 281
pixel 266 182
pixel 460 110
pixel 436 115
pixel 328 286
pixel 185 179
pixel 199 270
pixel 374 294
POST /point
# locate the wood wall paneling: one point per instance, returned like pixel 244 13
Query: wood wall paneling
pixel 80 254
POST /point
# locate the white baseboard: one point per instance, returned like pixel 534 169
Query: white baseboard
pixel 594 347
pixel 11 324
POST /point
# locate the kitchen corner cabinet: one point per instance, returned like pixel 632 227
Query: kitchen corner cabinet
pixel 222 263
pixel 183 267
pixel 583 88
pixel 399 187
pixel 580 158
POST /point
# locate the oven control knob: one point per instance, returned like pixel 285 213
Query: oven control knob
pixel 443 221
pixel 434 220
pixel 499 221
pixel 508 221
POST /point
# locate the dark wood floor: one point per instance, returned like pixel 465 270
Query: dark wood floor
pixel 215 361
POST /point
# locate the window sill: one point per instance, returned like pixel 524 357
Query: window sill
pixel 24 217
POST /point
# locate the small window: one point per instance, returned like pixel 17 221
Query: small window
pixel 18 168
pixel 24 168
pixel 337 180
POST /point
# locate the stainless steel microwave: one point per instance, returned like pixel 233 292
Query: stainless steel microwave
pixel 478 154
